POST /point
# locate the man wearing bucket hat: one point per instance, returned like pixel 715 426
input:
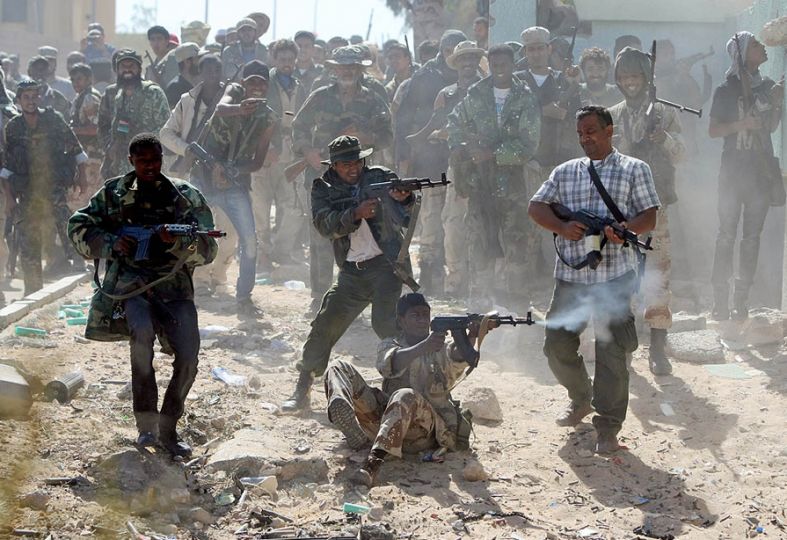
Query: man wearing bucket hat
pixel 245 50
pixel 128 107
pixel 370 246
pixel 344 107
pixel 465 60
pixel 427 160
pixel 496 127
pixel 328 75
pixel 195 32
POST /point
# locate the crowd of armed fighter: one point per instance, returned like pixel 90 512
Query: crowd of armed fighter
pixel 478 150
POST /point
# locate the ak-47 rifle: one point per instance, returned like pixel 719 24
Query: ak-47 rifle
pixel 570 91
pixel 458 325
pixel 768 164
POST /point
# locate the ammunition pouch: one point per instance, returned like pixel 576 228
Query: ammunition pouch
pixel 464 426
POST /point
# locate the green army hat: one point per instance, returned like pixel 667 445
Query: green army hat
pixel 346 148
pixel 127 54
pixel 351 55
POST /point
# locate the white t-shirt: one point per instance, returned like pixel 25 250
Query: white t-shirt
pixel 363 246
pixel 501 94
pixel 539 78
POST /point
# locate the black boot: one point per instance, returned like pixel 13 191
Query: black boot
pixel 301 398
pixel 721 303
pixel 740 300
pixel 659 363
pixel 367 474
pixel 169 439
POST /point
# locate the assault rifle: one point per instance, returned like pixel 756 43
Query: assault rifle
pixel 206 158
pixel 595 226
pixel 409 184
pixel 142 234
pixel 653 99
pixel 458 326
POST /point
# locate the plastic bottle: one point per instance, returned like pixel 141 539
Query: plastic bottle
pixel 221 374
pixel 350 508
pixel 294 285
pixel 27 331
pixel 73 321
pixel 71 312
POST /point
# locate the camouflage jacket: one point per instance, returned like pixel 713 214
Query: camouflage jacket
pixel 631 138
pixel 514 140
pixel 84 113
pixel 322 118
pixel 327 78
pixel 94 230
pixel 42 160
pixel 232 59
pixel 234 139
pixel 432 375
pixel 333 204
pixel 308 77
pixel 121 116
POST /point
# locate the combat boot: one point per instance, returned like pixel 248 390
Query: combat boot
pixel 367 474
pixel 170 440
pixel 659 363
pixel 301 398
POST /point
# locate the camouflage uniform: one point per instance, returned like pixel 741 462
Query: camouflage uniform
pixel 414 410
pixel 42 163
pixel 167 310
pixel 308 76
pixel 630 128
pixel 52 98
pixel 327 78
pixel 121 116
pixel 320 120
pixel 497 189
pixel 84 113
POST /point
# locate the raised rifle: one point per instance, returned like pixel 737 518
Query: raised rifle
pixel 409 184
pixel 205 158
pixel 568 93
pixel 457 325
pixel 143 233
pixel 653 98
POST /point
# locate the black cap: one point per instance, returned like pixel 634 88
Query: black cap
pixel 160 30
pixel 127 54
pixel 255 67
pixel 27 84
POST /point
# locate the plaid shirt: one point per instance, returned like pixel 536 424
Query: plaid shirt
pixel 629 183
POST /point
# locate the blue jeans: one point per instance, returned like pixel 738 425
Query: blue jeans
pixel 236 203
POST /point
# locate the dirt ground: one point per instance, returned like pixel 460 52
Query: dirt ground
pixel 712 463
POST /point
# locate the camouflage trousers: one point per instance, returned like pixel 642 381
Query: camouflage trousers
pixel 655 292
pixel 403 422
pixel 215 274
pixel 41 224
pixel 457 261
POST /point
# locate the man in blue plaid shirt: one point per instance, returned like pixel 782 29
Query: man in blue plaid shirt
pixel 604 293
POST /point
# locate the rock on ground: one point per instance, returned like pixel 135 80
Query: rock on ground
pixel 702 347
pixel 483 403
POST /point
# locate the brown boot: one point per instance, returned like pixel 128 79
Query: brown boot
pixel 574 414
pixel 607 443
pixel 367 474
pixel 301 398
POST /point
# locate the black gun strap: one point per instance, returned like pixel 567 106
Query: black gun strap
pixel 611 206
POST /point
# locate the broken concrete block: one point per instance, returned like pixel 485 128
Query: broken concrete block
pixel 701 347
pixel 15 395
pixel 765 326
pixel 483 403
pixel 685 322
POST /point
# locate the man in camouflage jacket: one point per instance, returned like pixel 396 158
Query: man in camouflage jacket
pixel 661 146
pixel 344 107
pixel 42 155
pixel 142 299
pixel 129 107
pixel 499 135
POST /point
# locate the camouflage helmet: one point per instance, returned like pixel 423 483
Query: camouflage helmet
pixel 351 55
pixel 346 148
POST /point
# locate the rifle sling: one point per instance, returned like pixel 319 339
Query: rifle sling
pixel 144 288
pixel 404 251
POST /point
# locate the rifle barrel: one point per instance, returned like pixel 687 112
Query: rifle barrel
pixel 681 108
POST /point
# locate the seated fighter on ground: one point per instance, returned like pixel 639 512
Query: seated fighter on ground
pixel 414 410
